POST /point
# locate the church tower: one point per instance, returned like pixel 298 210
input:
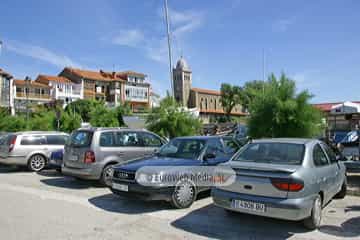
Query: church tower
pixel 182 77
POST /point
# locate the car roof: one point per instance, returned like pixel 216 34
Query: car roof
pixel 286 140
pixel 93 129
pixel 40 132
pixel 200 137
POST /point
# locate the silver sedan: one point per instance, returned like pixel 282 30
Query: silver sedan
pixel 289 179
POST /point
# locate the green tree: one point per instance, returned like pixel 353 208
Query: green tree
pixel 43 120
pixel 83 107
pixel 123 110
pixel 230 97
pixel 170 120
pixel 251 90
pixel 279 111
pixel 12 123
pixel 69 122
pixel 103 117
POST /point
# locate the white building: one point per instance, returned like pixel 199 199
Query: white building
pixel 62 88
pixel 6 100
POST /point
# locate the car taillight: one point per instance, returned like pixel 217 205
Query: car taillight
pixel 89 157
pixel 285 184
pixel 12 143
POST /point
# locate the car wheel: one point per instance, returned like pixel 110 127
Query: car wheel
pixel 184 194
pixel 37 163
pixel 342 193
pixel 106 176
pixel 313 222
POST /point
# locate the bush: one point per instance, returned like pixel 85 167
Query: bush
pixel 69 122
pixel 169 120
pixel 278 111
pixel 103 117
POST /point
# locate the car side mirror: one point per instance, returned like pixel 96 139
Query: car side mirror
pixel 208 156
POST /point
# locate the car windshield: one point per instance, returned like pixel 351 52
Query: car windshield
pixel 81 139
pixel 275 153
pixel 183 148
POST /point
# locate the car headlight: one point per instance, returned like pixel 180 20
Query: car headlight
pixel 149 179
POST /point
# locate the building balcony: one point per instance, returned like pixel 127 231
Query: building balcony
pixel 33 96
pixel 62 93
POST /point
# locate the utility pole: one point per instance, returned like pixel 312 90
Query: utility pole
pixel 169 46
pixel 263 69
pixel 27 91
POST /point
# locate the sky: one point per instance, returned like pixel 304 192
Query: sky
pixel 316 43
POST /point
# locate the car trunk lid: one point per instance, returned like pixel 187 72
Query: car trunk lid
pixel 261 179
pixel 76 149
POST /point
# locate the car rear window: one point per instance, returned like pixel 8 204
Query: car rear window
pixel 81 139
pixel 275 153
pixel 56 139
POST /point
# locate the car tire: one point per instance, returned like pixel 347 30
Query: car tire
pixel 36 163
pixel 313 222
pixel 342 193
pixel 106 175
pixel 184 194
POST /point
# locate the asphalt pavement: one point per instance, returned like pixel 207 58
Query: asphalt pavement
pixel 47 205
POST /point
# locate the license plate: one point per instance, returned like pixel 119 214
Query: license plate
pixel 247 205
pixel 73 158
pixel 121 187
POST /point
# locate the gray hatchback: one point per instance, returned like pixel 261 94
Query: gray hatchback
pixel 91 152
pixel 289 179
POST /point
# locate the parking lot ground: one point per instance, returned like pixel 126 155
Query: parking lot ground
pixel 50 206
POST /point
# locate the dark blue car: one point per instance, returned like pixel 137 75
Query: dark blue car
pixel 178 153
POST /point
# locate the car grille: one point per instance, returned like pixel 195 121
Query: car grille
pixel 123 175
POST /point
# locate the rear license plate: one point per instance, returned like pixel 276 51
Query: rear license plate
pixel 121 187
pixel 247 205
pixel 73 158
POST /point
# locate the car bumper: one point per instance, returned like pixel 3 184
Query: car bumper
pixel 288 209
pixel 90 173
pixel 145 193
pixel 55 164
pixel 14 160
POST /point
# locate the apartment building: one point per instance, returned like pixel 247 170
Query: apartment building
pixel 62 89
pixel 29 93
pixel 5 90
pixel 114 88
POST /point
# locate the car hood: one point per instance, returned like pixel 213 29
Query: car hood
pixel 156 161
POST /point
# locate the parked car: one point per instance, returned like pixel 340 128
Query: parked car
pixel 3 135
pixel 179 152
pixel 31 149
pixel 350 145
pixel 91 152
pixel 289 179
pixel 56 159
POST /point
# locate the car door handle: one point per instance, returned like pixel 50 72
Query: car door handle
pixel 120 153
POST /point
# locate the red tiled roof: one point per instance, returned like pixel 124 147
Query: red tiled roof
pixel 45 79
pixel 18 82
pixel 132 73
pixel 206 91
pixel 326 107
pixel 93 75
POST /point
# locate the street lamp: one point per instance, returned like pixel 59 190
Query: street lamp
pixel 27 90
